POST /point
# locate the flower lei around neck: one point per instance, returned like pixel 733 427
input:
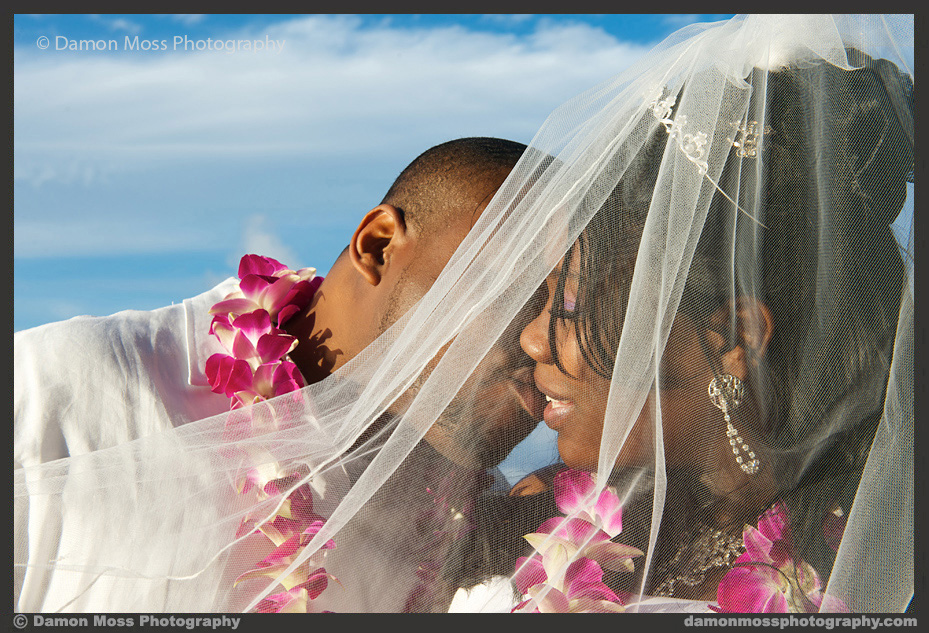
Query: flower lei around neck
pixel 766 579
pixel 548 582
pixel 247 323
pixel 256 367
pixel 763 579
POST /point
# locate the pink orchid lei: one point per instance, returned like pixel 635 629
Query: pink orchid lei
pixel 247 322
pixel 765 579
pixel 548 582
pixel 257 367
pixel 292 528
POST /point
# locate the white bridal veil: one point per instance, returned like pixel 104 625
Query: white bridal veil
pixel 722 208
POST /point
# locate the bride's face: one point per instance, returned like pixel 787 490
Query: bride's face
pixel 578 395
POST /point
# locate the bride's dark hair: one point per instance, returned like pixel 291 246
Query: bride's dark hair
pixel 829 363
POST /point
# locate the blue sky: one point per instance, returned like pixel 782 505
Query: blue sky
pixel 141 176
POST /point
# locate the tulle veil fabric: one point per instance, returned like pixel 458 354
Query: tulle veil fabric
pixel 156 525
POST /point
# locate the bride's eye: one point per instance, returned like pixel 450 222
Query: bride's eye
pixel 567 307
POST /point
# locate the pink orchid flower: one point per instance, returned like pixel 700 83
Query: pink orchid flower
pixel 588 530
pixel 296 514
pixel 581 590
pixel 290 538
pixel 284 553
pixel 270 380
pixel 293 601
pixel 573 492
pixel 256 368
pixel 275 379
pixel 227 375
pixel 766 579
pixel 567 575
pixel 268 285
pixel 295 517
pixel 252 338
pixel 296 600
pixel 828 603
pixel 581 538
pixel 753 589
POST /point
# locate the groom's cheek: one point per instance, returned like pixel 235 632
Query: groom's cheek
pixel 496 419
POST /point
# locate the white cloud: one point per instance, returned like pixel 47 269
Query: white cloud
pixel 62 309
pixel 134 124
pixel 258 237
pixel 507 18
pixel 112 232
pixel 334 84
pixel 188 19
pixel 118 24
pixel 74 172
pixel 678 20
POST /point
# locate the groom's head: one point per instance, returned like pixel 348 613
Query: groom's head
pixel 402 244
pixel 430 208
pixel 395 255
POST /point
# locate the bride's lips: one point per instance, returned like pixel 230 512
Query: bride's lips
pixel 530 398
pixel 558 408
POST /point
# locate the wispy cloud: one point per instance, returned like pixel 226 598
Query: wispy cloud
pixel 187 157
pixel 259 237
pixel 508 18
pixel 135 151
pixel 75 172
pixel 335 84
pixel 118 24
pixel 187 19
pixel 678 20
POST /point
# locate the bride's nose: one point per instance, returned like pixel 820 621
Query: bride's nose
pixel 534 338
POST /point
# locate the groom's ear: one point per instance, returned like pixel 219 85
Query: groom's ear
pixel 381 232
pixel 743 346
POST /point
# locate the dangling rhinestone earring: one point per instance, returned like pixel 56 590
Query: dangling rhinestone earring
pixel 726 394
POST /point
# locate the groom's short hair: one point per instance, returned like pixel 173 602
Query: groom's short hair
pixel 458 176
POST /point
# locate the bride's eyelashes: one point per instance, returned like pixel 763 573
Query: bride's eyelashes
pixel 564 303
pixel 564 312
pixel 566 308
